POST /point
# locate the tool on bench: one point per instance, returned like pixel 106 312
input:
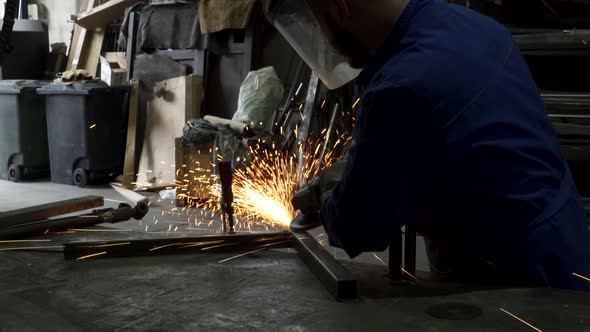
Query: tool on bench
pixel 227 196
pixel 36 220
pixel 123 213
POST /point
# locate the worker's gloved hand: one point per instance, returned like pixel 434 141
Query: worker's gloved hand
pixel 310 198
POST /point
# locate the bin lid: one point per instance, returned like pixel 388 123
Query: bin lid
pixel 18 86
pixel 82 88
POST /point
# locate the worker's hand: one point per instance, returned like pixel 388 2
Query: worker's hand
pixel 310 198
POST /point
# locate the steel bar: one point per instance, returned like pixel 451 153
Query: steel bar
pixel 40 212
pixel 123 213
pixel 132 43
pixel 308 109
pixel 395 256
pixel 178 245
pixel 567 104
pixel 328 136
pixel 338 280
pixel 410 249
pixel 281 114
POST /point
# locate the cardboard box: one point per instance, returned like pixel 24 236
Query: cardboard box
pixel 113 69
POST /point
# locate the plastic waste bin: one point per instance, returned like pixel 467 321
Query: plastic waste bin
pixel 23 130
pixel 86 125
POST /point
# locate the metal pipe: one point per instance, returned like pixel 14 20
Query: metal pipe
pixel 328 137
pixel 123 213
pixel 338 280
pixel 178 246
pixel 41 212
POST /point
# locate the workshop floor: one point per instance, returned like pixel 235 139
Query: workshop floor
pixel 266 291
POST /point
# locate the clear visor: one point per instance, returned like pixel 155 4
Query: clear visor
pixel 303 32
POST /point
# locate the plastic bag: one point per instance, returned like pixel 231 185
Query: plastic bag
pixel 260 94
pixel 198 131
pixel 168 194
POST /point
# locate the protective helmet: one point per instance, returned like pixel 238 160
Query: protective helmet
pixel 296 22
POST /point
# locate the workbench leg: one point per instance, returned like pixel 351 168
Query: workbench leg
pixel 410 249
pixel 395 256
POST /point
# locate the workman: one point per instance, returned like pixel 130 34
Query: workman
pixel 452 135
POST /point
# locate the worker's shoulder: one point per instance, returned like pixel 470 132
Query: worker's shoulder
pixel 446 57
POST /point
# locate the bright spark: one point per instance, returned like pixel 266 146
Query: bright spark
pixel 108 245
pixel 409 274
pixel 93 126
pixel 218 246
pixel 521 320
pixel 356 103
pixel 92 255
pixel 96 230
pixel 200 244
pixel 581 277
pixel 165 246
pixel 242 255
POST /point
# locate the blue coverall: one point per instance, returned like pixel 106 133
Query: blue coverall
pixel 453 135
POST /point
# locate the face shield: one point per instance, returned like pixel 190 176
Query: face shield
pixel 301 29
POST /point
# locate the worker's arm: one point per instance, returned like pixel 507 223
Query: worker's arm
pixel 388 171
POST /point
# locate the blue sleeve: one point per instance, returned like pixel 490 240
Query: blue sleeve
pixel 388 171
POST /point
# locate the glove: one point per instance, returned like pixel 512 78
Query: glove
pixel 308 199
pixel 311 197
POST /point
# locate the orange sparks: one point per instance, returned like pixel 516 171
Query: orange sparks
pixel 581 277
pixel 218 246
pixel 356 103
pixel 379 259
pixel 323 104
pixel 96 230
pixel 31 248
pixel 200 244
pixel 108 245
pixel 264 188
pixel 521 320
pixel 165 246
pixel 93 126
pixel 242 255
pixel 92 255
pixel 409 274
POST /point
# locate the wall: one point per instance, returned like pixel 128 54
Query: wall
pixel 58 12
pixel 60 25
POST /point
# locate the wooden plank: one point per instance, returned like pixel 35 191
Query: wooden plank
pixel 86 45
pixel 92 49
pixel 104 14
pixel 77 46
pixel 45 211
pixel 175 101
pixel 129 165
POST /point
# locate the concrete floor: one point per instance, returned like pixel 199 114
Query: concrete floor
pixel 267 291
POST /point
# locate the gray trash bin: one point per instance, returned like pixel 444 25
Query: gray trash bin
pixel 23 131
pixel 86 126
